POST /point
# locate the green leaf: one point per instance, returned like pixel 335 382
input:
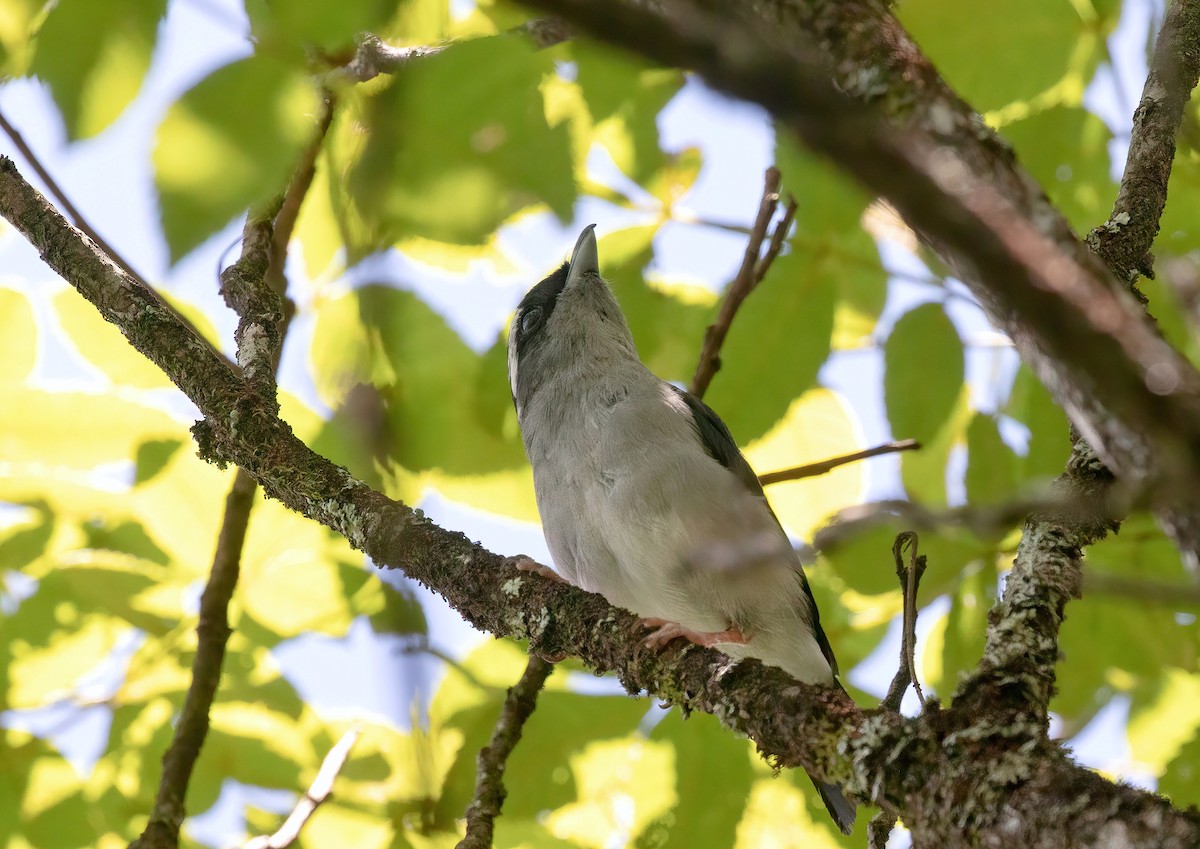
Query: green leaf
pixel 56 636
pixel 452 153
pixel 635 773
pixel 252 743
pixel 18 337
pixel 1180 225
pixel 44 427
pixel 624 97
pixel 17 28
pixel 1161 725
pixel 1066 149
pixel 924 373
pixel 41 803
pixel 706 756
pixel 229 142
pixel 1181 779
pixel 955 644
pixel 864 559
pixel 667 326
pixel 1031 45
pixel 93 54
pixel 828 200
pixel 302 25
pixel 439 430
pixel 1049 431
pixel 991 464
pixel 153 456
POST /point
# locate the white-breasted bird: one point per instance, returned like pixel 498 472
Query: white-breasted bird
pixel 644 495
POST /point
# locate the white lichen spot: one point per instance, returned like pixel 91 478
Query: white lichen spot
pixel 347 521
pixel 511 587
pixel 941 119
pixel 538 623
pixel 1121 219
pixel 252 348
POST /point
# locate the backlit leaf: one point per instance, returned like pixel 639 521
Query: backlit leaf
pixel 18 337
pixel 451 153
pixel 229 142
pixel 93 54
pixel 924 376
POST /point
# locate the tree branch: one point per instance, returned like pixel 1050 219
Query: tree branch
pixel 489 783
pixel 1124 241
pixel 320 790
pixel 752 271
pixel 162 830
pixel 1021 648
pixel 59 195
pixel 951 774
pixel 264 253
pixel 821 467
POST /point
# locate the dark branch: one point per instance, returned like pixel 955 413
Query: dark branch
pixel 909 574
pixel 317 793
pixel 489 782
pixel 749 275
pixel 822 467
pixel 1124 241
pixel 162 830
pixel 59 195
pixel 264 252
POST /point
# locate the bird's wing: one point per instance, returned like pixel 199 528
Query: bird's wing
pixel 719 443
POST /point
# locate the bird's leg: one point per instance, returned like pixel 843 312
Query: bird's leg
pixel 665 631
pixel 523 563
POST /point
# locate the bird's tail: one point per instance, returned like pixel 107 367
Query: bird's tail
pixel 840 808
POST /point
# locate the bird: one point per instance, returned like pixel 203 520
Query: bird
pixel 644 495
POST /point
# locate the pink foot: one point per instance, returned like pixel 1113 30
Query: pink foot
pixel 527 564
pixel 665 631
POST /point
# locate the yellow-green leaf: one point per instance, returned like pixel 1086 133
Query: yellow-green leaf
pixel 229 142
pixel 93 54
pixel 18 337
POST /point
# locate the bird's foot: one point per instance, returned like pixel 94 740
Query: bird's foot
pixel 522 563
pixel 665 631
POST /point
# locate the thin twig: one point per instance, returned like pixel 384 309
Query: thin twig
pixel 489 786
pixel 909 575
pixel 984 520
pixel 749 275
pixel 59 195
pixel 1174 595
pixel 824 466
pixel 320 790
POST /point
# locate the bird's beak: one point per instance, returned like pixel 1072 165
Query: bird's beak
pixel 584 259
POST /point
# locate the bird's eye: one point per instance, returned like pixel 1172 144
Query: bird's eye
pixel 530 319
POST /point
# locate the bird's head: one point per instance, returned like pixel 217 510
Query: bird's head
pixel 568 326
